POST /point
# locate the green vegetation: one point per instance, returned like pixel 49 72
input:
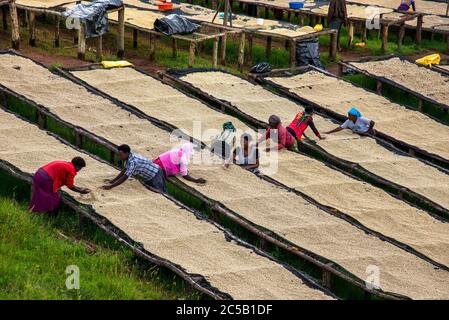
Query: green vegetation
pixel 35 253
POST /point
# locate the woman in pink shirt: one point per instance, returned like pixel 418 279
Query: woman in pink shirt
pixel 175 162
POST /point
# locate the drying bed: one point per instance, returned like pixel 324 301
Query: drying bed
pixel 201 14
pixel 43 4
pixel 311 84
pixel 232 195
pixel 257 103
pixel 323 184
pixel 266 205
pixel 163 227
pixel 416 79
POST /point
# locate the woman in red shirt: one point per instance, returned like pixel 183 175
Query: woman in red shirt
pixel 49 179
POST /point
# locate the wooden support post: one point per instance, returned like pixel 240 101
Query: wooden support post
pixel 32 28
pixel 301 19
pixel 384 37
pixel 57 31
pixel 215 53
pixel 81 42
pixel 289 16
pixel 121 34
pixel 135 38
pixel 340 69
pixel 152 45
pixel 41 120
pixel 379 87
pixel 268 47
pixel 418 37
pixel 223 49
pixel 292 53
pixel 24 19
pixel 78 139
pixel 420 105
pixel 250 50
pixel 350 33
pixel 267 12
pixel 15 33
pixel 174 45
pixel 401 35
pixel 333 46
pixel 192 54
pixel 364 32
pixel 5 17
pixel 241 58
pixel 327 277
pixel 99 48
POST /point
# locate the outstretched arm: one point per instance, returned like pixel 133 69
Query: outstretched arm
pixel 117 177
pixel 80 190
pixel 116 182
pixel 196 180
pixel 335 130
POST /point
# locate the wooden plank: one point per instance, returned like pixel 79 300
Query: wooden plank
pixel 15 29
pixel 121 33
pixel 32 28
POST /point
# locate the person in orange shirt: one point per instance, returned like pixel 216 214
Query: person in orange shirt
pixel 49 179
pixel 301 122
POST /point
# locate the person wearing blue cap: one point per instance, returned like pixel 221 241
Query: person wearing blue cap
pixel 357 123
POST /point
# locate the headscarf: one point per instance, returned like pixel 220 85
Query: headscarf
pixel 187 150
pixel 354 112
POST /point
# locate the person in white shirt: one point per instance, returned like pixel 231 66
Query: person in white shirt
pixel 357 123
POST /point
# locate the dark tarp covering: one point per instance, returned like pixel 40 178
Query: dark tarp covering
pixel 308 52
pixel 175 24
pixel 93 15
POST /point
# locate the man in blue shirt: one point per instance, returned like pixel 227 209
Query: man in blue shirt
pixel 140 167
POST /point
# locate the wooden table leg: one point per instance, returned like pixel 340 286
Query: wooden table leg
pixel 81 42
pixel 384 37
pixel 15 34
pixel 268 47
pixel 401 36
pixel 241 58
pixel 215 53
pixel 350 34
pixel 152 46
pixel 292 53
pixel 223 49
pixel 250 50
pixel 135 38
pixel 99 48
pixel 174 44
pixel 121 34
pixel 333 46
pixel 57 31
pixel 418 37
pixel 32 28
pixel 192 54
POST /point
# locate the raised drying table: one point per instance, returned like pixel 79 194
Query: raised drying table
pixel 15 29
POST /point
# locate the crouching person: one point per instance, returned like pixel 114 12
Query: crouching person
pixel 138 166
pixel 176 161
pixel 49 179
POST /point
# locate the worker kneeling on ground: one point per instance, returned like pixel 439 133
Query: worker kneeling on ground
pixel 357 123
pixel 246 155
pixel 175 162
pixel 301 122
pixel 284 138
pixel 138 166
pixel 49 179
